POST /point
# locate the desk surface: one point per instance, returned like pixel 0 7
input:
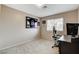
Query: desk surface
pixel 65 38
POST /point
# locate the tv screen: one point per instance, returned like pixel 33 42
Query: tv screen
pixel 72 29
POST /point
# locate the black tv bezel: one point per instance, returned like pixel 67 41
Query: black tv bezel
pixel 74 25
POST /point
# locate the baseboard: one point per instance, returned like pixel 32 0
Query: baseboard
pixel 16 44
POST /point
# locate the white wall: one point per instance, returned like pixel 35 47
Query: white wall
pixel 12 28
pixel 78 14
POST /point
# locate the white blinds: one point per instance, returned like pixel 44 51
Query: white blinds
pixel 58 23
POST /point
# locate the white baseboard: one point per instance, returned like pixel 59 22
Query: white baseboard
pixel 16 44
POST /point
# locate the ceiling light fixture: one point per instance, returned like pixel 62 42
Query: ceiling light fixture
pixel 39 5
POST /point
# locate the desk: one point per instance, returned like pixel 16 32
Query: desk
pixel 69 46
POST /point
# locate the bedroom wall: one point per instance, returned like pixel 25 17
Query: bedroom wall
pixel 0 8
pixel 69 17
pixel 12 28
pixel 0 11
pixel 78 14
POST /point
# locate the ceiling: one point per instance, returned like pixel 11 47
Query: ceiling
pixel 50 9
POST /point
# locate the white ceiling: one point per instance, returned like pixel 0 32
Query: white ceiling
pixel 41 12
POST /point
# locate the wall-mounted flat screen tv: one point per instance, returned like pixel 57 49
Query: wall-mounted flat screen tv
pixel 72 28
pixel 31 22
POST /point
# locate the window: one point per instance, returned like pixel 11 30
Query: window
pixel 58 23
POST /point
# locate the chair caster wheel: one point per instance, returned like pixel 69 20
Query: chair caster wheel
pixel 52 46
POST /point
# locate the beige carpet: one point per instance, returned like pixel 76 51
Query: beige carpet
pixel 38 46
